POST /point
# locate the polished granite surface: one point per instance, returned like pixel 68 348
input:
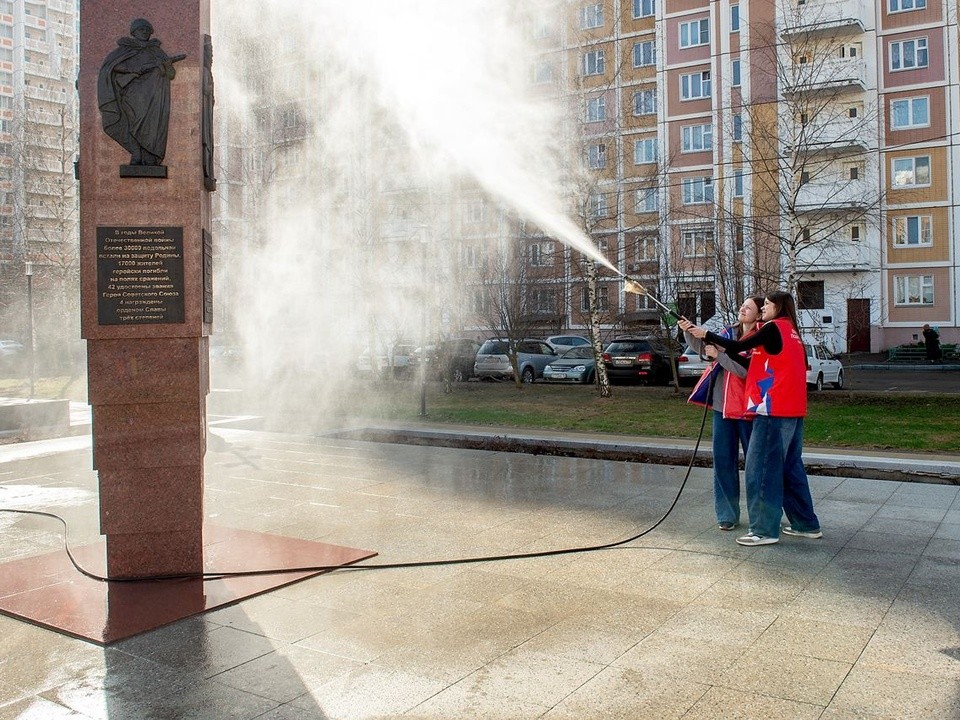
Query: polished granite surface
pixel 864 623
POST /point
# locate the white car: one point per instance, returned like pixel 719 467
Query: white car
pixel 823 367
pixel 562 343
pixel 690 366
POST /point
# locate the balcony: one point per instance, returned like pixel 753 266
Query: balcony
pixel 840 135
pixel 835 254
pixel 36 93
pixel 844 17
pixel 827 75
pixel 833 195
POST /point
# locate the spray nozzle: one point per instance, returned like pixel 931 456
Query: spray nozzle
pixel 632 286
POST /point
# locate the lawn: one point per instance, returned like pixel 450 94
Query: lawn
pixel 835 419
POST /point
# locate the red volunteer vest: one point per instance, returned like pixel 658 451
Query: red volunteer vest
pixel 777 384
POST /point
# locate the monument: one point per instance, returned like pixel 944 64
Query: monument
pixel 146 266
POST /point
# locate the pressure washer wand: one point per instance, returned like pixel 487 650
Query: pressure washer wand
pixel 632 286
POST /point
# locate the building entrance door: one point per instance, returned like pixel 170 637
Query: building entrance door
pixel 858 325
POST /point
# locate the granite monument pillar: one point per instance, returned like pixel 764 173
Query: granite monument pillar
pixel 146 263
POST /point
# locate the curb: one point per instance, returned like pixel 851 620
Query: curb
pixel 901 468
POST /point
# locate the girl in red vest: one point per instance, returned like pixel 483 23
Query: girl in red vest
pixel 722 387
pixel 776 398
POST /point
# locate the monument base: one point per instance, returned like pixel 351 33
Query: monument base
pixel 48 591
pixel 143 171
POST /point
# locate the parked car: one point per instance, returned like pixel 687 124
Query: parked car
pixel 493 362
pixel 576 365
pixel 456 359
pixel 400 358
pixel 562 343
pixel 10 347
pixel 646 359
pixel 823 366
pixel 12 356
pixel 690 366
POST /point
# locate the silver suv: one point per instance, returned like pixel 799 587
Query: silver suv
pixel 493 362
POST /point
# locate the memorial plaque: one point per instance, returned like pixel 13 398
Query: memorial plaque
pixel 139 275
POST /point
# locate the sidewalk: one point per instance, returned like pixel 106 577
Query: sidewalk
pixel 681 622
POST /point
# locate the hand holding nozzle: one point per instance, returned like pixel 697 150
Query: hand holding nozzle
pixel 687 326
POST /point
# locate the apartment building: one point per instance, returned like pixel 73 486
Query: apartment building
pixel 38 148
pixel 740 145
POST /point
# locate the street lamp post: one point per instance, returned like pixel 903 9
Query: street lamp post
pixel 28 271
pixel 423 326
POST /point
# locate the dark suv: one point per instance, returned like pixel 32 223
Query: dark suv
pixel 455 359
pixel 644 359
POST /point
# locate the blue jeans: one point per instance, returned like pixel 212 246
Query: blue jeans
pixel 728 437
pixel 775 480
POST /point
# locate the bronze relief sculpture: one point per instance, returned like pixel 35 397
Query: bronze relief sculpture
pixel 133 93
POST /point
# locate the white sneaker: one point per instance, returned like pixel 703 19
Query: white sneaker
pixel 751 540
pixel 813 534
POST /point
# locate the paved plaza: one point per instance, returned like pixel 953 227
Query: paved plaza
pixel 682 623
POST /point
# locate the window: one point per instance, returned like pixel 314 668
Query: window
pixel 645 151
pixel 734 18
pixel 697 191
pixel 644 53
pixel 603 298
pixel 695 86
pixel 905 5
pixel 478 301
pixel 735 73
pixel 697 138
pixel 597 156
pixel 475 212
pixel 596 109
pixel 909 54
pixel 852 170
pixel 913 230
pixel 542 27
pixel 911 171
pixel 541 254
pixel 647 248
pixel 694 33
pixel 598 206
pixel 851 50
pixel 471 256
pixel 591 16
pixel 543 300
pixel 737 133
pixel 855 233
pixel 913 290
pixel 645 102
pixel 738 183
pixel 910 113
pixel 593 63
pixel 643 8
pixel 696 242
pixel 853 111
pixel 647 200
pixel 810 295
pixel 543 73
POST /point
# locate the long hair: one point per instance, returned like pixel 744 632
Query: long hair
pixel 786 306
pixel 758 302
